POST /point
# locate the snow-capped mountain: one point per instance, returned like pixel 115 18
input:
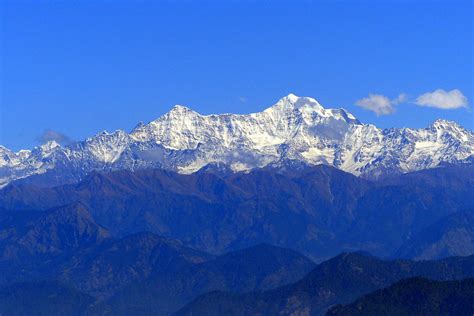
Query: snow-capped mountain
pixel 294 129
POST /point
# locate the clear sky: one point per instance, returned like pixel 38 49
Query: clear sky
pixel 80 67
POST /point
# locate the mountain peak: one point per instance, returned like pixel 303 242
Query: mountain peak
pixel 442 123
pixel 48 146
pixel 292 104
pixel 181 109
pixel 312 112
pixel 291 97
pixel 292 100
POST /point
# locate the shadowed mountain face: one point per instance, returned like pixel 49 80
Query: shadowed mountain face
pixel 31 242
pixel 139 273
pixel 256 268
pixel 452 235
pixel 170 271
pixel 62 230
pixel 339 280
pixel 103 270
pixel 43 299
pixel 416 296
pixel 208 211
pixel 319 211
pixel 145 274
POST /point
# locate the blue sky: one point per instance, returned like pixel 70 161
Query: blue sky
pixel 80 67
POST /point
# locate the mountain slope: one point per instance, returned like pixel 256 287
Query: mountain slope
pixel 137 273
pixel 317 210
pixel 107 268
pixel 336 281
pixel 257 268
pixel 415 296
pixel 451 236
pixel 42 298
pixel 296 128
pixel 210 212
pixel 33 243
pixel 60 229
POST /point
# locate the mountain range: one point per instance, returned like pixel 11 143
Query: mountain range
pixel 339 280
pixel 295 210
pixel 77 268
pixel 63 253
pixel 414 296
pixel 319 210
pixel 295 129
pixel 157 242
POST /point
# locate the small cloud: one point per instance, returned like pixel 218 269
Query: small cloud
pixel 402 97
pixel 243 99
pixel 441 99
pixel 380 104
pixel 49 135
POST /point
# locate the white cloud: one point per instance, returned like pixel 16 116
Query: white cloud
pixel 380 104
pixel 402 97
pixel 442 99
